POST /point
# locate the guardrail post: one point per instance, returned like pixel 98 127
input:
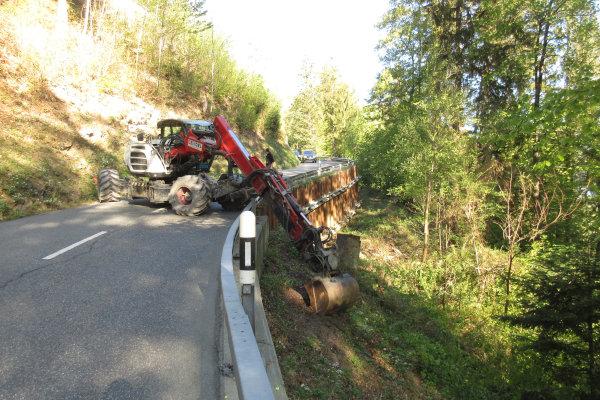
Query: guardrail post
pixel 248 262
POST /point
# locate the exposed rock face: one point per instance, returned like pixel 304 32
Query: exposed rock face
pixel 133 116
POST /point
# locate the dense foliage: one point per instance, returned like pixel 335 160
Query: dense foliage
pixel 488 125
pixel 485 126
pixel 325 115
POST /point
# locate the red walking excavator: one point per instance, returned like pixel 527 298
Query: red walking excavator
pixel 174 168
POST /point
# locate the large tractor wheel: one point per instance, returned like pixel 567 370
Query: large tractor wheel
pixel 189 196
pixel 109 185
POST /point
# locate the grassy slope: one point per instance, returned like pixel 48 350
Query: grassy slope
pixel 46 162
pixel 395 343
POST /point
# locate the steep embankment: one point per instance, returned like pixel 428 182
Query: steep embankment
pixel 396 342
pixel 61 124
pixel 54 139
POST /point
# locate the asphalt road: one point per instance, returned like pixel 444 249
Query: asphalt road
pixel 305 167
pixel 111 301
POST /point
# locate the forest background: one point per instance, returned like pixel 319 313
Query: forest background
pixel 482 132
pixel 484 128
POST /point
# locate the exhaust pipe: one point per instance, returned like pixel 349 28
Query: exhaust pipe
pixel 332 294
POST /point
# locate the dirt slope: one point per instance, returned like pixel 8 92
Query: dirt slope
pixel 60 123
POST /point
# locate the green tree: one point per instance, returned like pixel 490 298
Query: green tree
pixel 324 115
pixel 338 113
pixel 421 151
pixel 561 301
pixel 299 122
pixel 273 122
pixel 301 119
pixel 419 155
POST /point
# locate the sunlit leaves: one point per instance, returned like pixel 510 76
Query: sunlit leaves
pixel 325 115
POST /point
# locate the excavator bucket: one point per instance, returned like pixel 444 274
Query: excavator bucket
pixel 330 294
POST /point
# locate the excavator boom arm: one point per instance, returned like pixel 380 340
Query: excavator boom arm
pixel 271 186
pixel 329 291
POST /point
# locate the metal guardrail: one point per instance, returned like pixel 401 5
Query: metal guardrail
pixel 313 205
pixel 344 163
pixel 251 377
pixel 250 374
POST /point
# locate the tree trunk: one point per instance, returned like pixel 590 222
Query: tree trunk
pixel 438 226
pixel 508 278
pixel 100 19
pixel 544 28
pixel 427 209
pixel 426 227
pixel 212 72
pixel 540 63
pixel 593 378
pixel 139 47
pixel 87 16
pixel 160 45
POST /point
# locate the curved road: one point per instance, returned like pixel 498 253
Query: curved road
pixel 112 301
pixel 132 313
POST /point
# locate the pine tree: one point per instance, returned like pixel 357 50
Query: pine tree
pixel 561 301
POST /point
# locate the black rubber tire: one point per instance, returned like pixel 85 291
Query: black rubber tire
pixel 109 185
pixel 189 196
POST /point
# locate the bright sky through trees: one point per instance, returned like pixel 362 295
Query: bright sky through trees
pixel 274 38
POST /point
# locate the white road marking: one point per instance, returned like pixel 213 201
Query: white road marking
pixel 159 210
pixel 59 252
